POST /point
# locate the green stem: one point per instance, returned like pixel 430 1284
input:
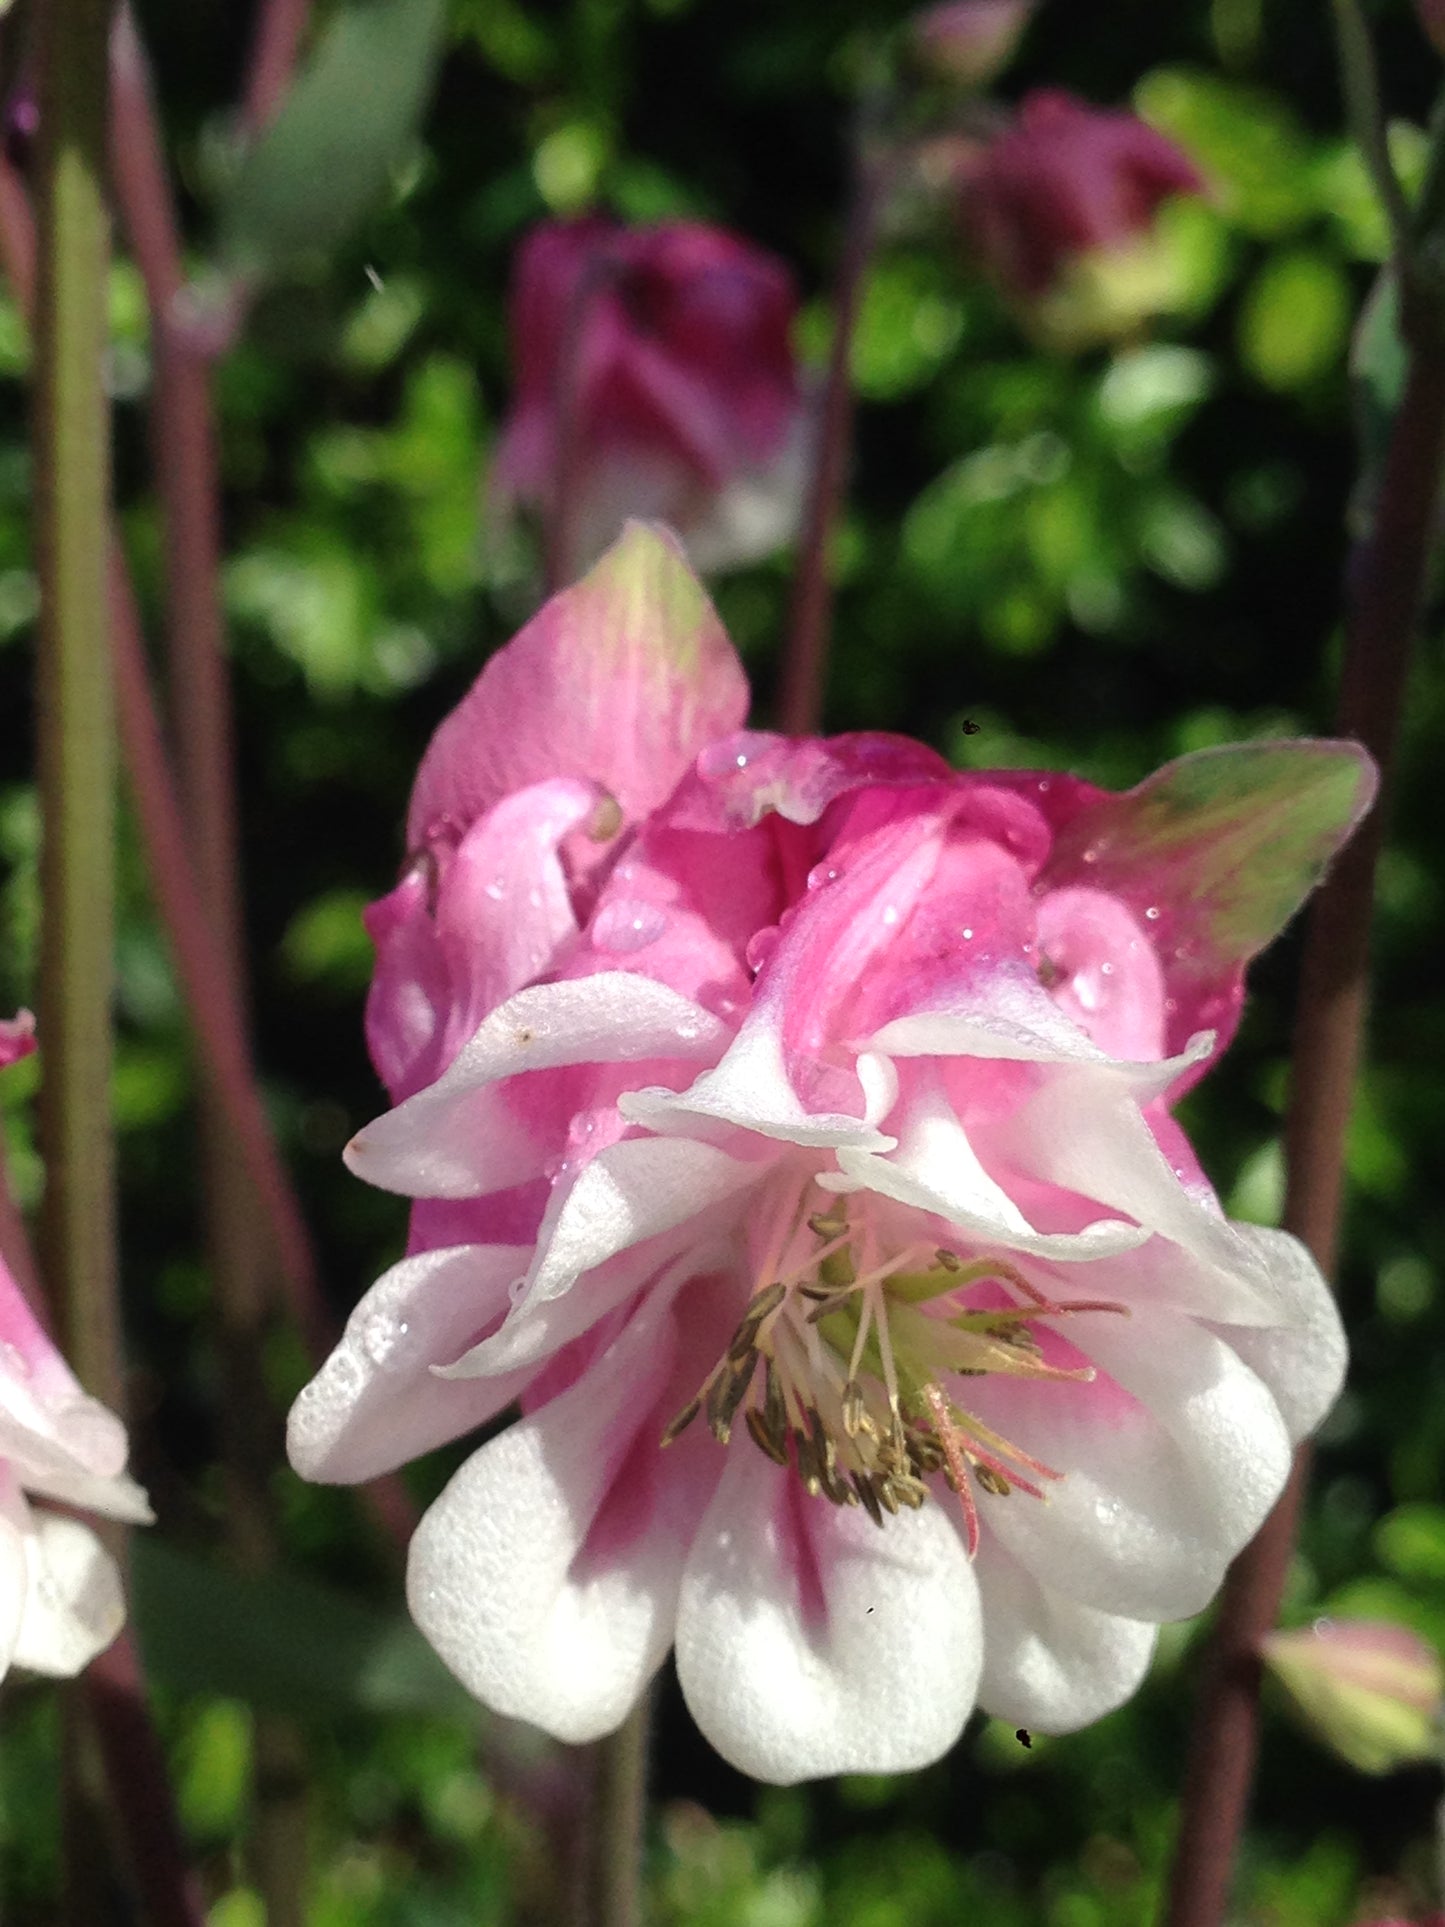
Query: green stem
pixel 617 1821
pixel 75 701
pixel 1360 82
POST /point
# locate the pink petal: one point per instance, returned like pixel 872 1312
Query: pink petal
pixel 618 681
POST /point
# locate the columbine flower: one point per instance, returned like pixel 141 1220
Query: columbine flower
pixel 654 376
pixel 790 1127
pixel 60 1594
pixel 1062 209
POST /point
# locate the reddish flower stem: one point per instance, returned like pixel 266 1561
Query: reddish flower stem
pixel 280 26
pixel 1388 578
pixel 800 703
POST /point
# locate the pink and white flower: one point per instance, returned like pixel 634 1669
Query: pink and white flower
pixel 654 376
pixel 819 1095
pixel 61 1601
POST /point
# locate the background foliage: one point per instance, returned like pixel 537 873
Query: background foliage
pixel 1101 562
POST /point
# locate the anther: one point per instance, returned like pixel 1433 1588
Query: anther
pixel 767 1442
pixel 727 1392
pixel 677 1426
pixel 765 1302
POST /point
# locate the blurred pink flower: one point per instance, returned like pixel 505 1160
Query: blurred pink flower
pixel 820 1093
pixel 654 376
pixel 17 1037
pixel 969 41
pixel 60 1594
pixel 1061 207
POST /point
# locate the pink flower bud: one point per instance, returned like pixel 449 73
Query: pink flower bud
pixel 1368 1688
pixel 655 377
pixel 969 41
pixel 1065 192
pixel 1432 19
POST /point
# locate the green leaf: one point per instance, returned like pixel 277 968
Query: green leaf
pixel 1228 841
pixel 1295 319
pixel 280 1641
pixel 330 153
pixel 1411 1541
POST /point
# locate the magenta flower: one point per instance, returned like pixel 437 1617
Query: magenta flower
pixel 1061 208
pixel 789 1124
pixel 655 377
pixel 969 41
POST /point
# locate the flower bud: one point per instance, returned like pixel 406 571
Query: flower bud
pixel 1368 1688
pixel 1061 208
pixel 968 42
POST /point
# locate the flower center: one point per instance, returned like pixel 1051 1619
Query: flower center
pixel 847 1367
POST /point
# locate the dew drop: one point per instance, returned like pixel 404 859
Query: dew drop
pixel 822 874
pixel 628 925
pixel 497 889
pixel 761 945
pixel 890 915
pixel 1152 913
pixel 968 936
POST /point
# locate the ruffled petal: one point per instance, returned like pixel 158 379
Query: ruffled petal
pixel 809 1642
pixel 1049 1663
pixel 543 1601
pixel 463 1136
pixel 377 1400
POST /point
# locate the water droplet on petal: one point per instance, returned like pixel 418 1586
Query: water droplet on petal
pixel 761 945
pixel 497 889
pixel 627 925
pixel 1152 913
pixel 822 874
pixel 968 936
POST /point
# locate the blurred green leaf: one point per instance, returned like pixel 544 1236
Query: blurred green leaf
pixel 328 156
pixel 1295 319
pixel 281 1641
pixel 1411 1542
pixel 326 943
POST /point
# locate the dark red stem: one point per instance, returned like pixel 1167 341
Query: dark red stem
pixel 280 26
pixel 800 702
pixel 1388 583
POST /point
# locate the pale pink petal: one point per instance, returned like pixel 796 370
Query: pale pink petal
pixel 377 1401
pixel 1171 1463
pixel 809 1642
pixel 463 1136
pixel 14 1564
pixel 547 1572
pixel 1105 971
pixel 1049 1663
pixel 619 681
pixel 1302 1358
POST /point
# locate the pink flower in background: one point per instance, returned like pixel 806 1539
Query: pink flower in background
pixel 60 1594
pixel 654 376
pixel 1371 1689
pixel 1061 208
pixel 789 1124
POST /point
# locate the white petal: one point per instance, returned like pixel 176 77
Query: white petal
pixel 751 1089
pixel 66 1445
pixel 811 1642
pixel 1086 1133
pixel 1018 1026
pixel 1049 1663
pixel 14 1564
pixel 377 1402
pixel 1302 1359
pixel 936 1169
pixel 1160 1489
pixel 462 1138
pixel 74 1603
pixel 499 1578
pixel 632 1191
